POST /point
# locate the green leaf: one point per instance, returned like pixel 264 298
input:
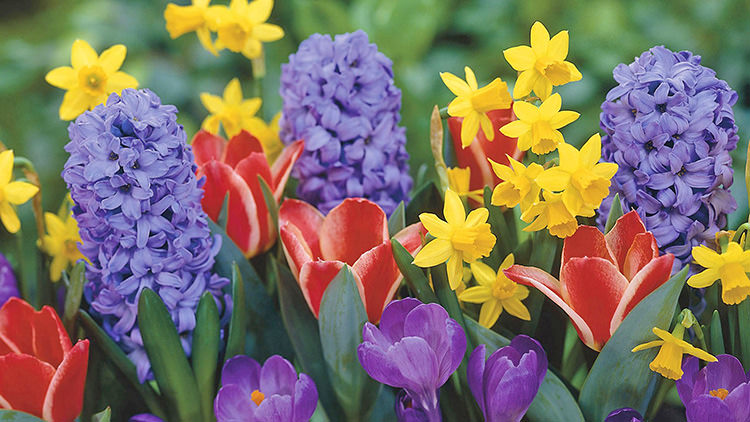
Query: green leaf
pixel 16 416
pixel 414 276
pixel 237 325
pixel 341 318
pixel 743 323
pixel 426 199
pixel 168 361
pixel 322 16
pixel 716 334
pixel 270 200
pixel 397 220
pixel 553 402
pixel 103 416
pixel 302 327
pixel 206 338
pixel 503 245
pixel 73 295
pixel 634 380
pixel 615 212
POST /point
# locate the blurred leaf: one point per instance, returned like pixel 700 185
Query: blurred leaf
pixel 397 220
pixel 75 284
pixel 168 361
pixel 16 416
pixel 615 212
pixel 320 16
pixel 413 275
pixel 341 318
pixel 103 416
pixel 237 325
pixel 634 380
pixel 206 338
pixel 743 323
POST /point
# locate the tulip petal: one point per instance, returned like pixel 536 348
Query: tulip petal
pixel 593 287
pixel 240 147
pixel 621 237
pixel 24 380
pixel 282 167
pixel 648 279
pixel 16 331
pixel 352 228
pixel 410 237
pixel 261 234
pixel 379 276
pixel 51 341
pixel 586 241
pixel 314 277
pixel 64 399
pixel 306 218
pixel 641 252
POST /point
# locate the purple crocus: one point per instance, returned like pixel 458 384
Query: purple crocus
pixel 505 384
pixel 269 393
pixel 718 392
pixel 8 284
pixel 625 414
pixel 417 347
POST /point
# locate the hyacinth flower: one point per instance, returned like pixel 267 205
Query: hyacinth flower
pixel 720 391
pixel 731 267
pixel 476 155
pixel 458 239
pixel 41 371
pixel 671 346
pixel 505 384
pixel 416 348
pixel 60 243
pixel 625 414
pixel 137 199
pixel 602 277
pixel 269 393
pixel 472 104
pixel 340 98
pixel 232 168
pixel 8 283
pixel 91 78
pixel 354 233
pixel 12 193
pixel 670 128
pixel 192 18
pixel 541 65
pixel 537 127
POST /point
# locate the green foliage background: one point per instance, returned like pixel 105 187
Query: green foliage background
pixel 423 37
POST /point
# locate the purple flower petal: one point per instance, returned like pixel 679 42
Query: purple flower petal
pixel 243 372
pixel 232 404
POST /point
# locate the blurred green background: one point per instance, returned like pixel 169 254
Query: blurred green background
pixel 422 37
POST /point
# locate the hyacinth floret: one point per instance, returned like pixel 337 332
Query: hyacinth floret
pixel 339 97
pixel 670 128
pixel 137 202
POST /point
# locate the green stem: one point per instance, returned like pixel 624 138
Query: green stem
pixel 664 387
pixel 444 113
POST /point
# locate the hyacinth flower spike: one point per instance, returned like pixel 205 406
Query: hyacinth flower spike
pixel 233 168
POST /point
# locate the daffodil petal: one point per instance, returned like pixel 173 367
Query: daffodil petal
pixel 526 111
pixel 539 39
pixel 543 87
pixel 433 253
pixel 520 58
pixel 82 54
pixel 74 103
pixel 455 84
pixel 558 46
pixel 6 166
pixel 469 129
pixel 455 268
pixel 233 92
pixel 119 81
pixel 437 227
pixel 563 118
pixel 550 106
pixel 516 308
pixel 62 77
pixel 19 192
pixel 111 59
pixel 515 129
pixel 213 103
pixel 484 275
pixel 267 32
pixel 471 79
pixel 489 313
pixel 454 211
pixel 705 257
pixel 648 345
pixel 476 294
pixel 704 278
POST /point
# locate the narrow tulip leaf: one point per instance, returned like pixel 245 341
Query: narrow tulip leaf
pixel 341 318
pixel 271 204
pixel 16 416
pixel 237 325
pixel 615 212
pixel 75 284
pixel 221 221
pixel 265 334
pixel 743 323
pixel 302 327
pixel 448 300
pixel 634 384
pixel 426 199
pixel 397 220
pixel 168 361
pixel 103 416
pixel 716 334
pixel 413 275
pixel 125 366
pixel 206 338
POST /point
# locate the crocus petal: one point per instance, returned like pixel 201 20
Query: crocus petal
pixel 475 375
pixel 282 167
pixel 314 277
pixel 738 402
pixel 380 365
pixel 24 380
pixel 352 228
pixel 64 399
pixel 377 271
pixel 392 323
pixel 305 398
pixel 648 279
pixel 641 252
pixel 586 241
pixel 417 363
pixel 277 376
pixel 233 405
pixel 622 235
pixel 306 218
pixel 241 146
pixel 707 408
pixel 243 372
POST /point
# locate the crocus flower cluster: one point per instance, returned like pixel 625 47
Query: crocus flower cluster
pixel 670 127
pixel 339 97
pixel 718 392
pixel 417 347
pixel 137 203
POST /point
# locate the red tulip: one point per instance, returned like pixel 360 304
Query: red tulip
pixel 234 167
pixel 475 155
pixel 354 233
pixel 41 373
pixel 602 277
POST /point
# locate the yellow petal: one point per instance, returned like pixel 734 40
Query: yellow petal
pixel 471 79
pixel 543 88
pixel 575 74
pixel 516 308
pixel 62 77
pixel 59 263
pixel 55 226
pixel 568 157
pixel 433 253
pixel 233 92
pixel 648 345
pixel 507 262
pixel 704 278
pixel 477 217
pixel 469 128
pixel 119 81
pixel 213 103
pixel 591 151
pixel 460 107
pixel 435 225
pixel 502 171
pixel 204 36
pixel 700 354
pixel 526 111
pixel 525 83
pixel 487 128
pixel 455 268
pixel 9 218
pixel 19 192
pixel 563 118
pixel 553 179
pixel 558 46
pixel 6 167
pixel 520 58
pixel 484 275
pixel 550 107
pixel 253 49
pixel 455 84
pixel 707 257
pixel 476 294
pixel 489 313
pixel 112 58
pixel 74 103
pixel 251 106
pixel 539 39
pixel 82 55
pixel 183 19
pixel 211 124
pixel 267 32
pixel 259 10
pixel 454 211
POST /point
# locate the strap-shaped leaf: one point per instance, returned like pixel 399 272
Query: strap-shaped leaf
pixel 16 416
pixel 397 220
pixel 615 212
pixel 413 275
pixel 238 323
pixel 74 285
pixel 206 339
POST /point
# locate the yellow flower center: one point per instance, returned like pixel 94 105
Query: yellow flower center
pixel 721 393
pixel 234 35
pixel 93 80
pixel 71 248
pixel 503 288
pixel 544 137
pixel 257 397
pixel 734 283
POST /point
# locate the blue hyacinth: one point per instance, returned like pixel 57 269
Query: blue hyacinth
pixel 340 98
pixel 137 203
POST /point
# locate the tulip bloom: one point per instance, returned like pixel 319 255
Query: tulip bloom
pixel 234 167
pixel 354 233
pixel 41 372
pixel 602 277
pixel 475 155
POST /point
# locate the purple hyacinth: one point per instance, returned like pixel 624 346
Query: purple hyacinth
pixel 670 127
pixel 137 203
pixel 417 347
pixel 339 97
pixel 268 393
pixel 8 283
pixel 625 414
pixel 505 384
pixel 718 392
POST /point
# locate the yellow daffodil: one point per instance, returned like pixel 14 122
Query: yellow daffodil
pixel 195 17
pixel 518 186
pixel 268 135
pixel 496 292
pixel 668 361
pixel 458 179
pixel 541 65
pixel 552 214
pixel 731 267
pixel 458 239
pixel 583 180
pixel 537 128
pixel 12 193
pixel 233 112
pixel 91 79
pixel 242 27
pixel 472 103
pixel 60 243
